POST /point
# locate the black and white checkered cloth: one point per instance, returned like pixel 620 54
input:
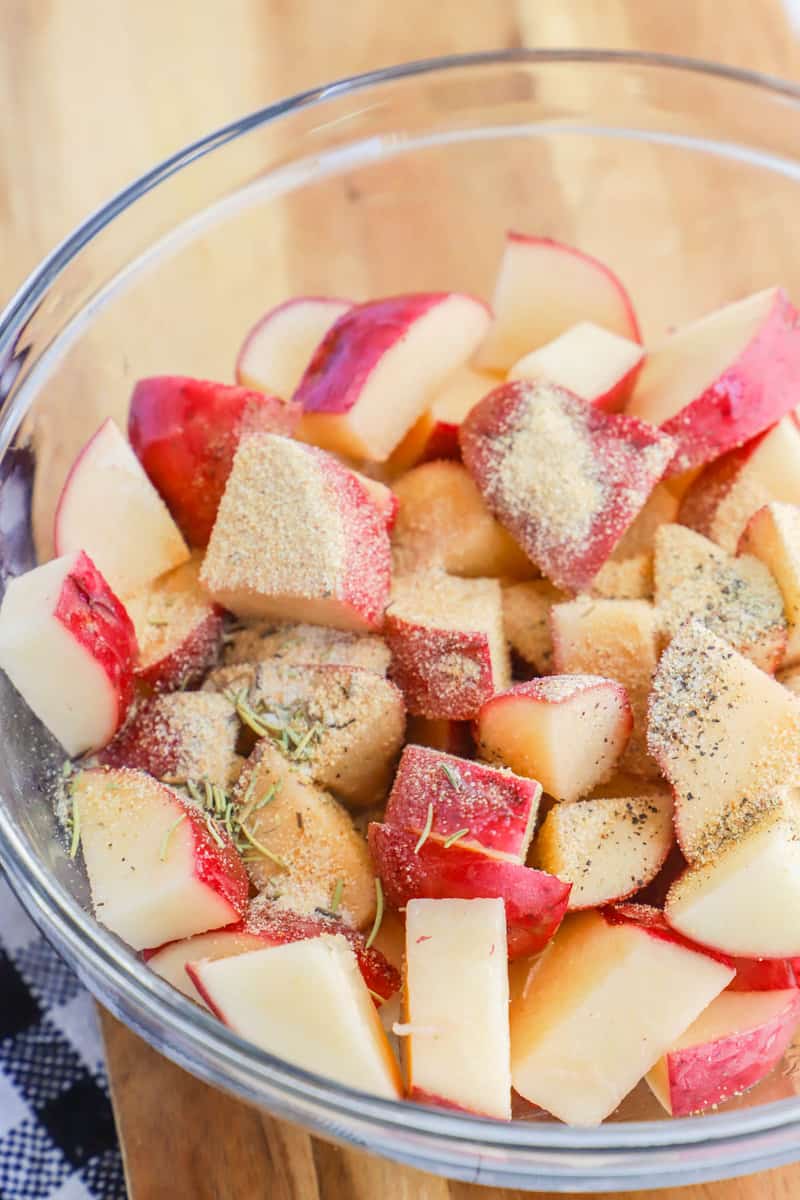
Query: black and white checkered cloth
pixel 57 1136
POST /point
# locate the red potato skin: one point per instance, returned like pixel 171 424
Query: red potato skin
pixel 496 806
pixel 390 512
pixel 218 867
pixel 536 690
pixel 94 616
pixel 235 927
pixel 185 433
pixel 539 690
pixel 267 318
pixel 430 1098
pixel 613 401
pixel 431 691
pixel 141 746
pixel 614 438
pixel 442 443
pixel 194 975
pixel 367 571
pixel 278 927
pixel 728 1065
pixel 187 662
pixel 346 356
pixel 626 303
pixel 708 490
pixel 764 975
pixel 535 902
pixel 654 922
pixel 753 393
pixel 384 500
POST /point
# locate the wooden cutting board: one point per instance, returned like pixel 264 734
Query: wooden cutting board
pixel 183 1141
pixel 93 93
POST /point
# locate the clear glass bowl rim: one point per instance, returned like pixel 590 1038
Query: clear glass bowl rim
pixel 219 1052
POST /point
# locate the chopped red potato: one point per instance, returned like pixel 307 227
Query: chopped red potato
pixel 487 656
pixel 565 478
pixel 528 727
pixel 449 651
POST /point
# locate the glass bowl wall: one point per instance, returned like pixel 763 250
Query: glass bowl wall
pixel 683 176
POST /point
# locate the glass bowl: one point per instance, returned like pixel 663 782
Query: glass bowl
pixel 684 176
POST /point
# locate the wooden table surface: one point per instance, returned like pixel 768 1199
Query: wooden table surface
pixel 92 92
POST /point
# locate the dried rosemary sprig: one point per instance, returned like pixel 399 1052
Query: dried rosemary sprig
pixel 376 924
pixel 455 837
pixel 195 793
pixel 249 804
pixel 215 833
pixel 336 899
pixel 248 716
pixel 247 797
pixel 220 810
pixel 220 799
pixel 453 777
pixel 304 743
pixel 162 853
pixel 229 820
pixel 426 830
pixel 268 797
pixel 262 849
pixel 280 726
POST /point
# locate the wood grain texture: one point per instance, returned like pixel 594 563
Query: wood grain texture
pixel 91 94
pixel 181 1139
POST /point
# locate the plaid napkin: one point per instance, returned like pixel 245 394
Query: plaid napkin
pixel 57 1136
